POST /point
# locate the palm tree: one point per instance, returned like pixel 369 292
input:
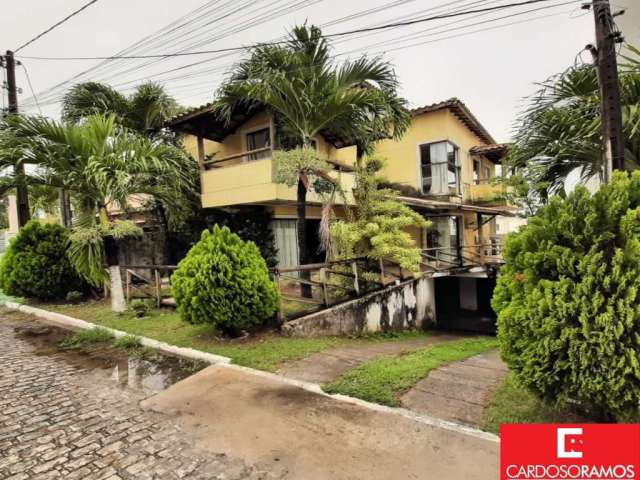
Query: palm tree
pixel 146 110
pixel 561 129
pixel 309 94
pixel 103 164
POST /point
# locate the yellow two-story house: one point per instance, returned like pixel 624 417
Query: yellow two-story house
pixel 445 167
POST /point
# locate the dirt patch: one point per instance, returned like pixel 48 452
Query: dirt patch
pixel 326 366
pixel 459 391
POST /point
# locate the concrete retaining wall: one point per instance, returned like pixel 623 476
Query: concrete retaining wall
pixel 411 304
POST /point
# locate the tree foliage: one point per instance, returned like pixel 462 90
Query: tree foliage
pixel 36 265
pixel 250 223
pixel 223 281
pixel 568 300
pixel 310 93
pixel 146 110
pixel 560 130
pixel 104 166
pixel 379 223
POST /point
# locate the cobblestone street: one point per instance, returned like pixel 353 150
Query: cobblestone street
pixel 62 420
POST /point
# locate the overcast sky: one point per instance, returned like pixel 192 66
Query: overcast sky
pixel 490 70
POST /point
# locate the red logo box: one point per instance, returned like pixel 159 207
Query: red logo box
pixel 570 452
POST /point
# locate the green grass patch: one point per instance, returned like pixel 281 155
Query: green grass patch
pixel 384 380
pixel 8 298
pixel 513 403
pixel 130 344
pixel 265 351
pixel 87 337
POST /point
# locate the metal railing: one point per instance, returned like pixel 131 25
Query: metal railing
pixel 438 259
pixel 243 156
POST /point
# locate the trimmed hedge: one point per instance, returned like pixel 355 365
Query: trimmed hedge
pixel 568 300
pixel 225 282
pixel 36 265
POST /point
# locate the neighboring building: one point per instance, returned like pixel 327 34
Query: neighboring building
pixel 444 167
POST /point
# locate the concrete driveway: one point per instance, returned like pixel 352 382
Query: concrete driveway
pixel 297 434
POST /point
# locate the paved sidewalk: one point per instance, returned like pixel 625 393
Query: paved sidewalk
pixel 326 366
pixel 309 436
pixel 60 420
pixel 460 391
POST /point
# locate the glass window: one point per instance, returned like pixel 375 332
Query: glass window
pixel 444 235
pixel 440 168
pixel 425 165
pixel 476 171
pixel 257 140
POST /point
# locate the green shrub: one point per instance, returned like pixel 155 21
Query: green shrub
pixel 568 300
pixel 36 266
pixel 140 308
pixel 225 282
pixel 87 337
pixel 74 296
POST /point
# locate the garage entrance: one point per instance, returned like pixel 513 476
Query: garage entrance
pixel 464 303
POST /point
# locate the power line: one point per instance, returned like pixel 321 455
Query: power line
pixel 331 35
pixel 26 73
pixel 156 40
pixel 72 14
pixel 160 37
pixel 196 86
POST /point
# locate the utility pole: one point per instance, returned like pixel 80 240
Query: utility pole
pixel 605 60
pixel 21 189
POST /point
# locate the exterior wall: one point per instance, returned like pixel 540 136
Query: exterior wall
pixel 239 181
pixel 252 182
pixel 403 156
pixel 506 225
pixel 408 305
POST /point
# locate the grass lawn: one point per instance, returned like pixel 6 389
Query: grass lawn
pixel 514 404
pixel 265 351
pixel 384 380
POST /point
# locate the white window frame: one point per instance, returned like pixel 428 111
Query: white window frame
pixel 458 188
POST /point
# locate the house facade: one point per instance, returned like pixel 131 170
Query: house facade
pixel 445 167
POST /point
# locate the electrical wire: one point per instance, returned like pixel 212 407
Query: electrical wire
pixel 331 35
pixel 65 19
pixel 204 86
pixel 26 73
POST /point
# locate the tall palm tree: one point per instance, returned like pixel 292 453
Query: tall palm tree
pixel 146 110
pixel 309 94
pixel 103 164
pixel 561 128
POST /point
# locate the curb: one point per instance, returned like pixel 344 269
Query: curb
pixel 66 321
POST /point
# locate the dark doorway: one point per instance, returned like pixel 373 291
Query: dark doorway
pixel 316 253
pixel 465 304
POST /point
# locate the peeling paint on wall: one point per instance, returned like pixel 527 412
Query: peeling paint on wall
pixel 410 304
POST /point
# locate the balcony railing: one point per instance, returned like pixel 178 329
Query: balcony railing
pixel 248 178
pixel 242 157
pixel 486 191
pixel 447 258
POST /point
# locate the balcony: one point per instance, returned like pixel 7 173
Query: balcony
pixel 247 177
pixel 486 192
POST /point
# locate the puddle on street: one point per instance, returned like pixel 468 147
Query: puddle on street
pixel 151 372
